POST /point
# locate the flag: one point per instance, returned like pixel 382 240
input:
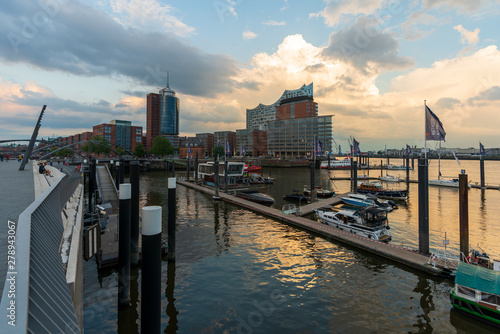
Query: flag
pixel 408 149
pixel 228 148
pixel 318 147
pixel 355 145
pixel 455 156
pixel 243 151
pixel 433 127
pixel 482 151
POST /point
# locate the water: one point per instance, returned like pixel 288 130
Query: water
pixel 238 272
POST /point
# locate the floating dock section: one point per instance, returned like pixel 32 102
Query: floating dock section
pixel 398 254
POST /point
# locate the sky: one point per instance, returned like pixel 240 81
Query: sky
pixel 373 63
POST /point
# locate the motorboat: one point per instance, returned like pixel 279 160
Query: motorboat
pixel 320 192
pixel 361 200
pixel 290 209
pixel 477 288
pixel 336 164
pixel 375 188
pixel 453 183
pixel 296 195
pixel 252 168
pixel 368 222
pixel 399 167
pixel 389 178
pixel 256 196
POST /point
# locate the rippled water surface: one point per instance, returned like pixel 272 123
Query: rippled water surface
pixel 238 272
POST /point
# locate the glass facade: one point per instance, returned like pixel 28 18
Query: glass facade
pixel 291 138
pixel 169 115
pixel 123 133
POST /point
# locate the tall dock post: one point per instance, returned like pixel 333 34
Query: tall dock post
pixel 423 206
pixel 124 245
pixel 151 270
pixel 122 171
pixel 407 172
pixel 111 169
pixel 134 213
pixel 481 170
pixel 226 179
pixel 216 177
pixel 117 175
pixel 196 168
pixel 188 168
pixel 381 168
pixel 463 199
pixel 368 165
pixel 355 179
pixel 313 179
pixel 171 218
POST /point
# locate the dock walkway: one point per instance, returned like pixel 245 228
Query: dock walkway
pixel 398 254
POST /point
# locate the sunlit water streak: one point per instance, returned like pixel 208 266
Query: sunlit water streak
pixel 238 272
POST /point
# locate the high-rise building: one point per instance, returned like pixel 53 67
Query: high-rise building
pixel 259 117
pixel 120 132
pixel 162 116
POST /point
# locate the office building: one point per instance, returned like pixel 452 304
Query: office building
pixel 120 132
pixel 207 142
pixel 253 141
pixel 221 137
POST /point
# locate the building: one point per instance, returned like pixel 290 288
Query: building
pixel 221 137
pixel 207 141
pixel 259 117
pixel 253 141
pixel 194 145
pixel 297 107
pixel 294 137
pixel 162 116
pixel 121 133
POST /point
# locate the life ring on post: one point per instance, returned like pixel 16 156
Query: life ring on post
pixel 471 260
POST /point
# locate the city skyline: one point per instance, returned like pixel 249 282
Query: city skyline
pixel 373 63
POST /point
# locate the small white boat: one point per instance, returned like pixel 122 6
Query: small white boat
pixel 398 167
pixel 336 164
pixel 389 178
pixel 453 183
pixel 368 222
pixel 290 209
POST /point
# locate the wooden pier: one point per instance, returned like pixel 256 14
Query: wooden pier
pixel 398 254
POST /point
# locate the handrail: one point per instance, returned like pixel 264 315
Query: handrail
pixel 36 298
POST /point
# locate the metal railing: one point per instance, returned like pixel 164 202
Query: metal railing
pixel 36 297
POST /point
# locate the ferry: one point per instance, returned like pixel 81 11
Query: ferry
pixel 337 164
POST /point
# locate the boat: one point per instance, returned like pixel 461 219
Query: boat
pixel 361 200
pixel 398 167
pixel 234 172
pixel 453 183
pixel 256 196
pixel 375 188
pixel 389 178
pixel 290 209
pixel 296 195
pixel 252 168
pixel 477 288
pixel 320 192
pixel 368 222
pixel 337 164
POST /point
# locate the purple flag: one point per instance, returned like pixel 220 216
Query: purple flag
pixel 433 127
pixel 355 146
pixel 482 151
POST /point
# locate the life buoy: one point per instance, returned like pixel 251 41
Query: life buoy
pixel 471 260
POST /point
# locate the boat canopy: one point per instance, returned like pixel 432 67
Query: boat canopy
pixel 479 278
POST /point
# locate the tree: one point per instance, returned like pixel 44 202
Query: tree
pixel 120 151
pixel 220 150
pixel 139 150
pixel 161 147
pixel 103 146
pixel 62 152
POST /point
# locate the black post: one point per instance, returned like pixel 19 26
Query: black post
pixel 111 169
pixel 117 175
pixel 313 179
pixel 388 162
pixel 481 170
pixel 463 200
pixel 171 217
pixel 225 175
pixel 328 161
pixel 355 179
pixel 423 206
pixel 188 167
pixel 173 167
pixel 368 164
pixel 196 167
pixel 134 212
pixel 381 169
pixel 413 162
pixel 122 171
pixel 216 177
pixel 407 172
pixel 92 185
pixel 151 270
pixel 124 246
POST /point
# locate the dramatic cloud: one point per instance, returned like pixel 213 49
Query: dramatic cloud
pixel 81 40
pixel 366 47
pixel 468 37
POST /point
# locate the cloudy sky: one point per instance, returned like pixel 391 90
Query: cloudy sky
pixel 372 62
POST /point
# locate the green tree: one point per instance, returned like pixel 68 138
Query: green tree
pixel 220 150
pixel 161 147
pixel 62 153
pixel 103 146
pixel 120 150
pixel 139 150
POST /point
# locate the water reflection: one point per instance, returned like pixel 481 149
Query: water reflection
pixel 171 311
pixel 423 288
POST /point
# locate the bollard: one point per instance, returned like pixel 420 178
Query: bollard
pixel 171 218
pixel 124 246
pixel 134 213
pixel 423 206
pixel 151 270
pixel 463 203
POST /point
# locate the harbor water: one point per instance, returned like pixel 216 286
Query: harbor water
pixel 239 272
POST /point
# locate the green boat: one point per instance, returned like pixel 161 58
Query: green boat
pixel 477 292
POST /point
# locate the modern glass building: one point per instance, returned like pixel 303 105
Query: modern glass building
pixel 294 137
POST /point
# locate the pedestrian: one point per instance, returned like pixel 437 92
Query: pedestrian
pixel 1 157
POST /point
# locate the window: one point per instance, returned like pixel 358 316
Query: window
pixel 138 139
pixel 138 132
pixel 107 129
